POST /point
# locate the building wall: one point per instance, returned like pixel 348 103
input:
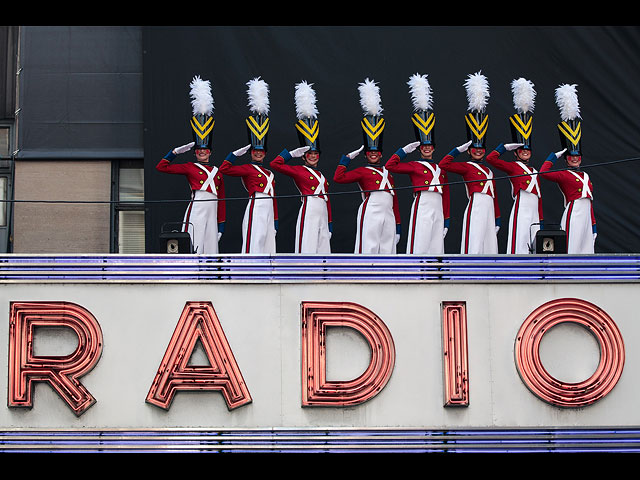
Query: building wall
pixel 79 104
pixel 62 227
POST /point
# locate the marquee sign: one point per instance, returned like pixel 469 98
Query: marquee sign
pixel 332 353
pixel 200 323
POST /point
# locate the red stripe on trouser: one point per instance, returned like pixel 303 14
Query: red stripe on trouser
pixel 468 222
pixel 187 215
pixel 568 221
pixel 415 218
pixel 302 216
pixel 516 209
pixel 247 247
pixel 364 207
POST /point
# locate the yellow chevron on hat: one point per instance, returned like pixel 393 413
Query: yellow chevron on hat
pixel 571 134
pixel 310 132
pixel 478 129
pixel 523 128
pixel 372 131
pixel 424 125
pixel 258 129
pixel 202 130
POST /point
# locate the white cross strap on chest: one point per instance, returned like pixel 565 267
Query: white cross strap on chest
pixel 385 183
pixel 586 191
pixel 534 178
pixel 268 188
pixel 488 185
pixel 320 191
pixel 210 181
pixel 436 177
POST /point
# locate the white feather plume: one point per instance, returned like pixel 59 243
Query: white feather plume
pixel 524 95
pixel 258 93
pixel 201 98
pixel 370 100
pixel 420 92
pixel 567 101
pixel 305 98
pixel 477 87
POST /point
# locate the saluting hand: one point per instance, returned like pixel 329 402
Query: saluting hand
pixel 183 148
pixel 242 151
pixel 298 152
pixel 512 146
pixel 355 153
pixel 465 147
pixel 410 147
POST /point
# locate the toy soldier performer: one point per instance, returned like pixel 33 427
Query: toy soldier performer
pixel 378 220
pixel 481 220
pixel 260 220
pixel 313 227
pixel 526 214
pixel 429 220
pixel 578 219
pixel 204 218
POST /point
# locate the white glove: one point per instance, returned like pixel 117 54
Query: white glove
pixel 242 151
pixel 397 238
pixel 595 235
pixel 464 148
pixel 410 148
pixel 444 232
pixel 219 235
pixel 298 152
pixel 355 153
pixel 497 229
pixel 512 146
pixel 559 154
pixel 183 148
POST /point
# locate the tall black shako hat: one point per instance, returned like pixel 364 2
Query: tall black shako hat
pixel 476 118
pixel 307 125
pixel 423 118
pixel 521 122
pixel 202 120
pixel 258 119
pixel 570 127
pixel 372 122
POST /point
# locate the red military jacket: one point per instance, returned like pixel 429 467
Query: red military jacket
pixel 421 174
pixel 200 177
pixel 255 178
pixel 523 177
pixel 308 181
pixel 369 178
pixel 573 184
pixel 479 178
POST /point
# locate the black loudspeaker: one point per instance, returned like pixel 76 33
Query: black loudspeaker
pixel 551 241
pixel 175 242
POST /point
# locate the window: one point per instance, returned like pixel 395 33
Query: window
pixel 6 195
pixel 4 142
pixel 128 213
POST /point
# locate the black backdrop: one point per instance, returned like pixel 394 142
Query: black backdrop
pixel 602 61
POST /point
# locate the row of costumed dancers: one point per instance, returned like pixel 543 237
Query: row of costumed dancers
pixel 378 219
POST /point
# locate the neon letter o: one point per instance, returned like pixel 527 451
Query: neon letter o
pixel 546 387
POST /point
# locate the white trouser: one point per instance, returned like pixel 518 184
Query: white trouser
pixel 376 227
pixel 312 227
pixel 522 231
pixel 201 221
pixel 258 230
pixel 426 225
pixel 478 226
pixel 576 221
